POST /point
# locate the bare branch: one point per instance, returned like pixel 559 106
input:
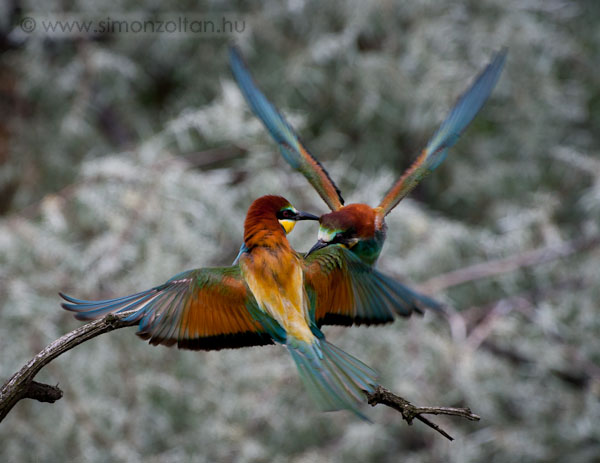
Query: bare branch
pixel 479 323
pixel 19 386
pixel 509 264
pixel 22 386
pixel 410 412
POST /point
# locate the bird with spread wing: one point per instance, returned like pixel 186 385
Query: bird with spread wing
pixel 272 295
pixel 359 228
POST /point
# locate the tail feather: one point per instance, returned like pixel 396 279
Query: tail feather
pixel 334 379
pixel 354 369
pixel 321 392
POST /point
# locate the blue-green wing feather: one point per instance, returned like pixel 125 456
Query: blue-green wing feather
pixel 466 108
pixel 292 149
pixel 461 115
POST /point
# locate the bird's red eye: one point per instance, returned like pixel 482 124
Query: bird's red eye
pixel 285 214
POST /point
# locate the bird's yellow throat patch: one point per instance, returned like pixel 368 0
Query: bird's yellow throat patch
pixel 288 225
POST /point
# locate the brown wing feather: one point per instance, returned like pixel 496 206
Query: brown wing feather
pixel 201 309
pixel 213 315
pixel 344 290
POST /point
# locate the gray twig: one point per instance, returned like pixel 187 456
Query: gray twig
pixel 492 268
pixel 409 411
pixel 22 386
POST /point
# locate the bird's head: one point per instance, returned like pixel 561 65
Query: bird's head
pixel 271 215
pixel 348 226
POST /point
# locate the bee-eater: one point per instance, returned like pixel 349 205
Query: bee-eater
pixel 271 296
pixel 359 227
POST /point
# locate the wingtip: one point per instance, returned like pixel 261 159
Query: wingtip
pixel 70 307
pixel 503 52
pixel 234 51
pixel 66 297
pixel 236 58
pixel 498 61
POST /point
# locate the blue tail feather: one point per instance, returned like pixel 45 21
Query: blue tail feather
pixel 334 379
pixel 359 371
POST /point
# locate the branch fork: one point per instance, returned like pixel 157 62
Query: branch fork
pixel 22 386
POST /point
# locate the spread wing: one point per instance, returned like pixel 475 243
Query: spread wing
pixel 464 111
pixel 346 291
pixel 202 309
pixel 291 147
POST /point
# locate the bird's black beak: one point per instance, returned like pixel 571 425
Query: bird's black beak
pixel 318 245
pixel 305 216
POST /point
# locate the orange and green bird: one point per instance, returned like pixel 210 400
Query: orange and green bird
pixel 360 228
pixel 272 296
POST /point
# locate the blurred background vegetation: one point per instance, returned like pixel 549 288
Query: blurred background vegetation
pixel 126 158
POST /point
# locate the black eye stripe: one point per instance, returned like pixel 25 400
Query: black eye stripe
pixel 342 236
pixel 348 233
pixel 286 214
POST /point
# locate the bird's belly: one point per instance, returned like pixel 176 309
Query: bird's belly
pixel 279 290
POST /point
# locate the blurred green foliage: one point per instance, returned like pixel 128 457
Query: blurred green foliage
pixel 128 158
